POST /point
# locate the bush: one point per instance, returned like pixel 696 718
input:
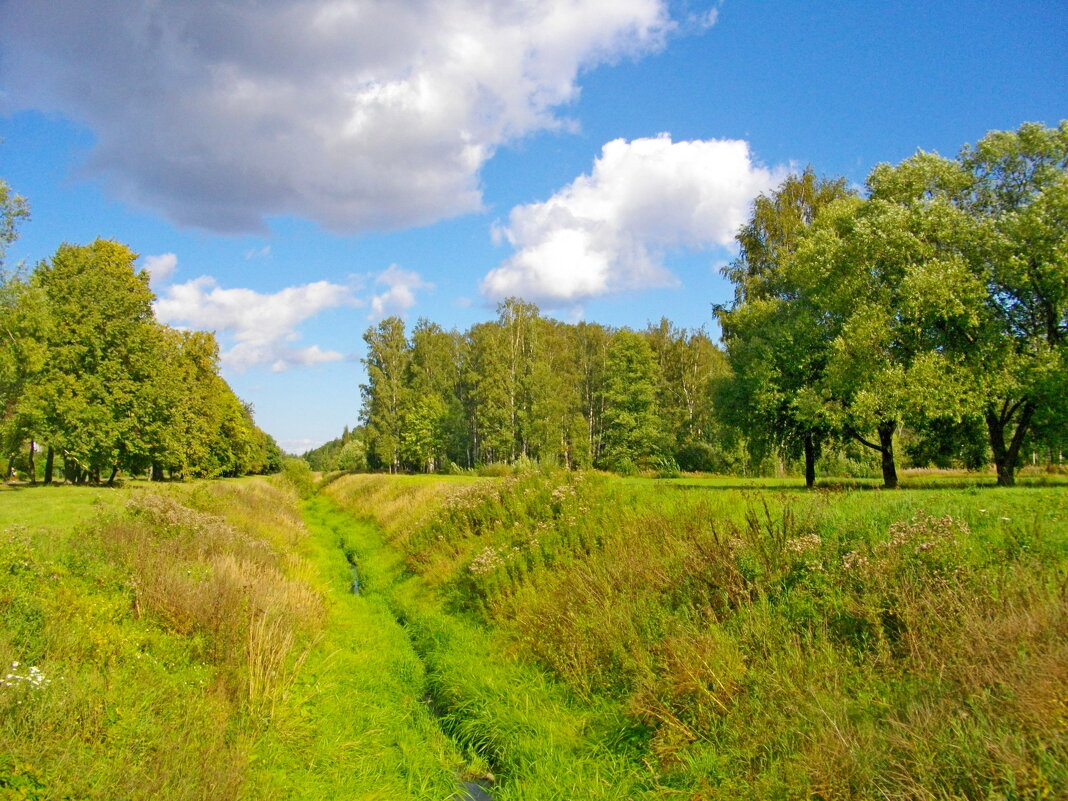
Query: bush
pixel 299 474
pixel 696 457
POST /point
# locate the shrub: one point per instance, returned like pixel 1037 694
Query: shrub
pixel 299 474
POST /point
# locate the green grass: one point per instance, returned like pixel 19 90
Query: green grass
pixel 57 508
pixel 201 641
pixel 127 708
pixel 356 726
pixel 575 635
pixel 760 643
pixel 528 732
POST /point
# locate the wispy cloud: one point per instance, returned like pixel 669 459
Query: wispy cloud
pixel 609 231
pixel 400 293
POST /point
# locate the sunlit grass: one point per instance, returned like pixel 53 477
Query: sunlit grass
pixel 197 642
pixel 841 643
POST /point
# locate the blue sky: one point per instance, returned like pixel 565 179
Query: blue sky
pixel 293 171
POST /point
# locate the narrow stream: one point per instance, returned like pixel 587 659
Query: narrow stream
pixel 473 791
pixel 469 791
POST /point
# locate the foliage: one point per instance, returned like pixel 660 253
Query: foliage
pixel 775 341
pixel 88 375
pixel 632 434
pixel 524 387
pixel 14 209
pixel 937 301
pixel 199 644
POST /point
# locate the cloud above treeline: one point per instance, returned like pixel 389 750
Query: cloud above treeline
pixel 609 231
pixel 262 326
pixel 399 296
pixel 358 114
pixel 261 329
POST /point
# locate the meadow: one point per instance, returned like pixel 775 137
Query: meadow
pixel 761 643
pixel 549 635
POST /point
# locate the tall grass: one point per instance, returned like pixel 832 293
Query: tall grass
pixel 761 644
pixel 517 725
pixel 192 643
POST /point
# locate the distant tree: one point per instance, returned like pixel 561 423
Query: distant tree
pixel 14 210
pixel 385 394
pixel 433 417
pixel 589 349
pixel 24 326
pixel 352 456
pixel 552 402
pixel 96 397
pixel 996 223
pixel 633 434
pixel 1019 187
pixel 887 280
pixel 24 322
pixel 689 363
pixel 488 393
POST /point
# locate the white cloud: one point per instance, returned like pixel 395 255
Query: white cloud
pixel 400 294
pixel 609 231
pixel 260 324
pixel 298 446
pixel 258 253
pixel 160 267
pixel 359 114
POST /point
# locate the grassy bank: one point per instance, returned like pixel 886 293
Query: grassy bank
pixel 199 642
pixel 528 735
pixel 765 644
pixel 570 635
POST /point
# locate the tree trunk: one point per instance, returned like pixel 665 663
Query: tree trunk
pixel 1007 456
pixel 50 464
pixel 810 460
pixel 33 467
pixel 886 446
pixel 111 478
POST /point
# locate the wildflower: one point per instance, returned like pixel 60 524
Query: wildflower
pixel 854 561
pixel 34 678
pixel 487 561
pixel 808 542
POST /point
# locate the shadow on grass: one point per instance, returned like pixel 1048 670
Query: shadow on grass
pixel 849 485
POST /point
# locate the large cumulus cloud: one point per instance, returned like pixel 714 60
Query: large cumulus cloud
pixel 359 114
pixel 609 231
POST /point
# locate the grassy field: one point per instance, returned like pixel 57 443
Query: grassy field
pixel 552 635
pixel 761 643
pixel 200 642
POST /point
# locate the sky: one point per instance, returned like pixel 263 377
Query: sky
pixel 291 172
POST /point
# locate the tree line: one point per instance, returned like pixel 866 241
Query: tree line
pixel 525 387
pixel 89 377
pixel 932 308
